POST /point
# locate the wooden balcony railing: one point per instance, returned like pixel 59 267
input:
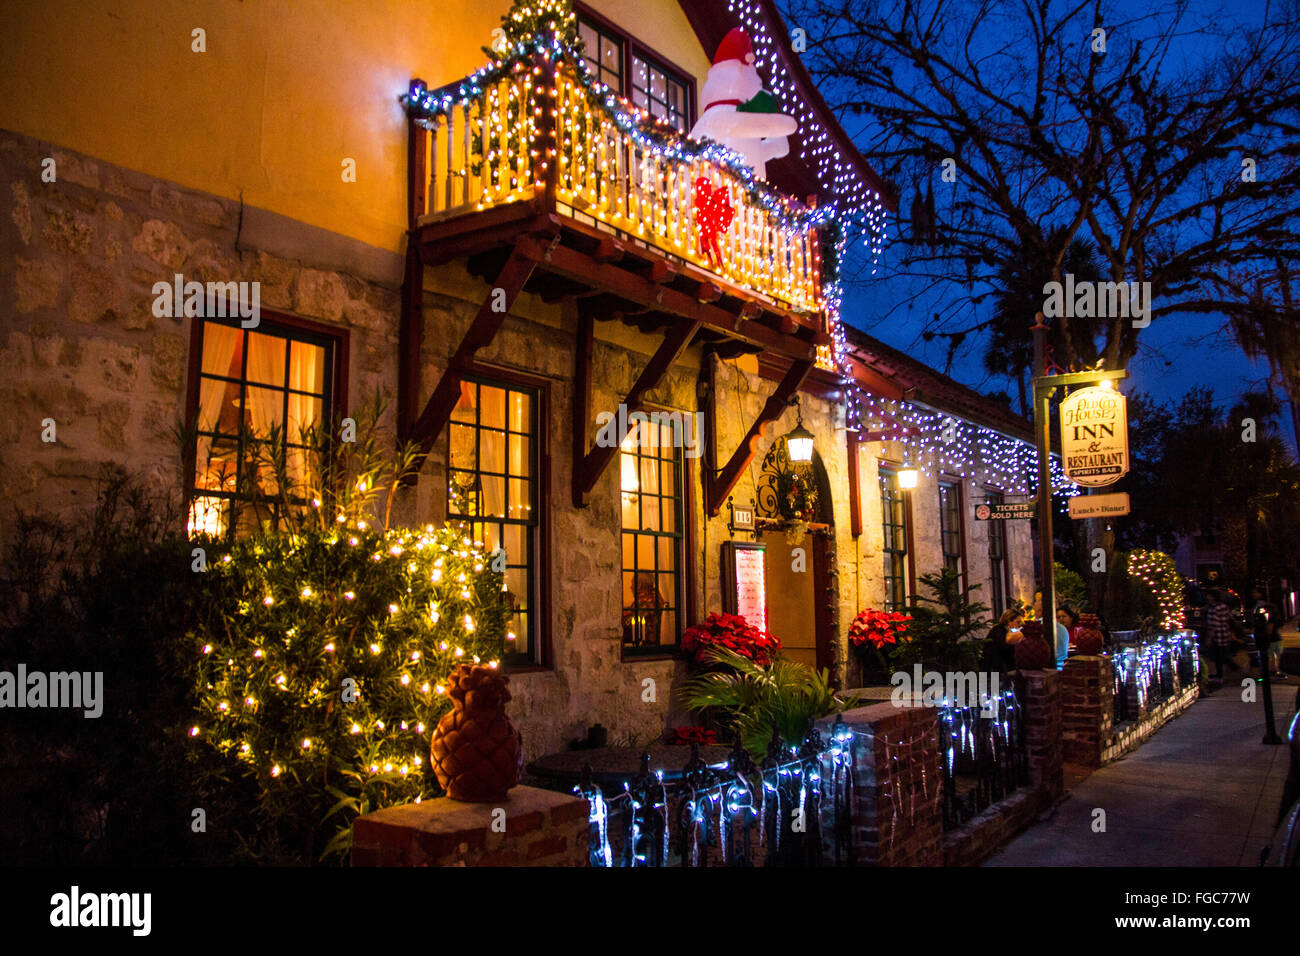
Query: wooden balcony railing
pixel 540 134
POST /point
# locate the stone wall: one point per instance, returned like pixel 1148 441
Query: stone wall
pixel 79 340
pixel 81 345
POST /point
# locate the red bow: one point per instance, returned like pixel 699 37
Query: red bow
pixel 713 215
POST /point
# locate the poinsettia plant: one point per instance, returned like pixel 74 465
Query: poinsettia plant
pixel 878 629
pixel 729 632
pixel 873 634
pixel 693 735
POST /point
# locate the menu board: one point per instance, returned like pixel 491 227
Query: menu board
pixel 746 591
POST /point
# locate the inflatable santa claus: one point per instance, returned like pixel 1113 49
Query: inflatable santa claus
pixel 738 112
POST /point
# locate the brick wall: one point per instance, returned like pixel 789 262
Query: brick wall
pixel 541 828
pixel 1041 700
pixel 896 814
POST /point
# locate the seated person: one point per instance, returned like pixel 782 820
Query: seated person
pixel 1000 652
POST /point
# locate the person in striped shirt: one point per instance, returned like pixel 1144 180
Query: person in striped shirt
pixel 1217 618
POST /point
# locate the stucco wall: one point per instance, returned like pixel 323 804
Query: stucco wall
pixel 285 92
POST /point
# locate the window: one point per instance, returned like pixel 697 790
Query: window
pixel 603 52
pixel 617 61
pixel 659 92
pixel 650 465
pixel 493 488
pixel 950 525
pixel 893 510
pixel 261 396
pixel 997 558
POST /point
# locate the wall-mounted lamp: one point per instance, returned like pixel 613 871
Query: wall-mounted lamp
pixel 799 441
pixel 908 477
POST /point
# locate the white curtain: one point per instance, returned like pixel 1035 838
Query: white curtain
pixel 220 342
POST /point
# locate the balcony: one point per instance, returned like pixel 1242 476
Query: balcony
pixel 541 182
pixel 539 147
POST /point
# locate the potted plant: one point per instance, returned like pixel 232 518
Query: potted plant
pixel 728 632
pixel 872 636
pixel 756 701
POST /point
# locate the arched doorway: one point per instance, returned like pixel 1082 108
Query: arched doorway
pixel 796 525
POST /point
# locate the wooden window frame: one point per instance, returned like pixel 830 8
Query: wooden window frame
pixel 991 494
pixel 688 605
pixel 282 322
pixel 956 484
pixel 542 653
pixel 632 47
pixel 892 469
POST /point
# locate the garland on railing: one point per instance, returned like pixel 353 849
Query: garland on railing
pixel 649 132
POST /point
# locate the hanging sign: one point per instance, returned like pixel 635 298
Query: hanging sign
pixel 746 589
pixel 1006 511
pixel 1094 436
pixel 1099 506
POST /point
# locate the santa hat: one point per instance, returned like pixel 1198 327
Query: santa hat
pixel 735 46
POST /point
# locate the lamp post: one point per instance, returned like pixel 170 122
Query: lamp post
pixel 1045 387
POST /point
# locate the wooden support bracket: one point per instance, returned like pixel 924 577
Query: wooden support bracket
pixel 717 487
pixel 588 466
pixel 491 315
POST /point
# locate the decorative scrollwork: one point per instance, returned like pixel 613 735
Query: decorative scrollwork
pixel 785 491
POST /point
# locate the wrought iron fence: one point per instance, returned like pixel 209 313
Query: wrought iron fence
pixel 985 757
pixel 793 810
pixel 1148 672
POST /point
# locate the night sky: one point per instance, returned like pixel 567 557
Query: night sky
pixel 1175 353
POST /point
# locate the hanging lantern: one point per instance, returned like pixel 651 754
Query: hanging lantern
pixel 908 476
pixel 799 441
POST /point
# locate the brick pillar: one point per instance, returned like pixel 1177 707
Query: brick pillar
pixel 896 811
pixel 1042 704
pixel 542 828
pixel 1087 709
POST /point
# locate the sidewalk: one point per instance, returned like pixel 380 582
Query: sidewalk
pixel 1202 792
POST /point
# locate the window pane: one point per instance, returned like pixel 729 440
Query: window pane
pixel 521 506
pixel 464 410
pixel 462 447
pixel 493 411
pixel 521 412
pixel 667 514
pixel 494 497
pixel 521 458
pixel 649 476
pixel 264 410
pixel 306 367
pixel 649 513
pixel 218 406
pixel 304 417
pixel 645 551
pixel 221 349
pixel 492 451
pixel 265 359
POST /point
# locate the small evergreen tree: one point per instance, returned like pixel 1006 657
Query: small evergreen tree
pixel 940 635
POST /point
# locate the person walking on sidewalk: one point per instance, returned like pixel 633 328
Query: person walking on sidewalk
pixel 1219 636
pixel 1268 622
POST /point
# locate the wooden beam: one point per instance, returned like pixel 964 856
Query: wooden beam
pixel 410 336
pixel 635 288
pixel 582 360
pixel 855 483
pixel 491 314
pixel 717 487
pixel 587 472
